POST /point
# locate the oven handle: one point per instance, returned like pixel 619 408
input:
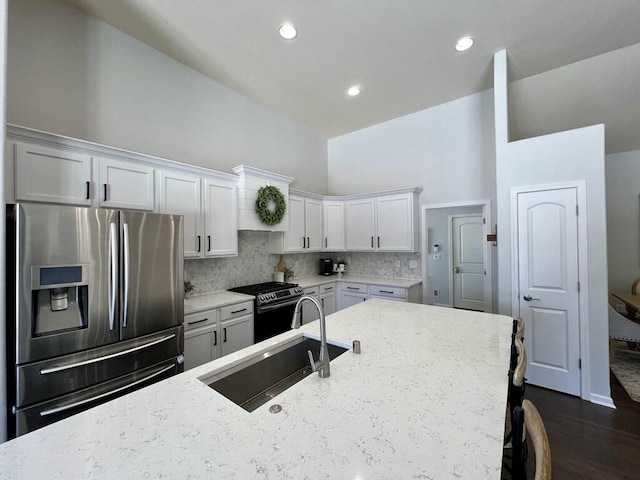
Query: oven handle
pixel 268 308
pixel 106 394
pixel 106 357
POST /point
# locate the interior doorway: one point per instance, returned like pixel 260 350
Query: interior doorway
pixel 467 261
pixel 438 267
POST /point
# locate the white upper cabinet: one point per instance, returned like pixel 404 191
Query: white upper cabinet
pixel 180 195
pixel 209 209
pixel 125 185
pixel 361 224
pixel 51 175
pixel 305 225
pixel 384 223
pixel 334 236
pixel 220 218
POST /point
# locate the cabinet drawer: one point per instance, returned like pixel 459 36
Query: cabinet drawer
pixel 394 292
pixel 237 310
pixel 311 291
pixel 331 287
pixel 354 287
pixel 201 319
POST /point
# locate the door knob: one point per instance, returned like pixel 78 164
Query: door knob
pixel 528 298
pixel 457 270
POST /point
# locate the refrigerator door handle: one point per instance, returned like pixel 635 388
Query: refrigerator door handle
pixel 106 394
pixel 127 273
pixel 60 368
pixel 113 275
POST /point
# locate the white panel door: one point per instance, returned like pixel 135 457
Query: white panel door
pixel 125 185
pixel 180 195
pixel 395 224
pixel 52 176
pixel 334 226
pixel 313 224
pixel 548 287
pixel 295 239
pixel 468 262
pixel 360 225
pixel 220 219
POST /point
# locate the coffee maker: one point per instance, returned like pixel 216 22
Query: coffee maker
pixel 326 266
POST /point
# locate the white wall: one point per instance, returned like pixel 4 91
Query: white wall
pixel 448 150
pixel 623 219
pixel 3 365
pixel 71 74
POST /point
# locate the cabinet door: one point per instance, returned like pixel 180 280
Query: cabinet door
pixel 349 299
pixel 51 175
pixel 125 185
pixel 328 302
pixel 395 223
pixel 180 195
pixel 200 346
pixel 220 219
pixel 313 225
pixel 295 238
pixel 334 226
pixel 360 225
pixel 236 334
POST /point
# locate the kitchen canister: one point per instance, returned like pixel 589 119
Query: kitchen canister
pixel 278 276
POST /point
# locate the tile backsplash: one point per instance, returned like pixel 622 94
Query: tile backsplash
pixel 254 264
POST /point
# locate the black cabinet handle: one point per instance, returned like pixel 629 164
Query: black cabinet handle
pixel 328 288
pixel 308 242
pixel 378 242
pixel 209 240
pixel 198 243
pixel 304 244
pixel 238 311
pixel 215 338
pixel 325 242
pixel 88 187
pixel 197 321
pixel 371 242
pixel 105 192
pixel 224 330
pixel 354 288
pixel 385 291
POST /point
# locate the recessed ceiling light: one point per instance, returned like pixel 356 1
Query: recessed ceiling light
pixel 353 90
pixel 465 43
pixel 287 31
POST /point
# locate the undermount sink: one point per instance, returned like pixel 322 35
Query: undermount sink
pixel 255 382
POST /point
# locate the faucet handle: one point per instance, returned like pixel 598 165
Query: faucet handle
pixel 314 368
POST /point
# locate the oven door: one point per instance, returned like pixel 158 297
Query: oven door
pixel 274 319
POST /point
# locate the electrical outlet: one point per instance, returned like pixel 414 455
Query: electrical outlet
pixel 436 292
pixel 413 264
pixel 436 256
pixel 397 263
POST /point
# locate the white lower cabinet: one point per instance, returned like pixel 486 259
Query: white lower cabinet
pixel 326 295
pixel 217 332
pixel 348 299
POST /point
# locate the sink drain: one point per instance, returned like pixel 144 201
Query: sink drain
pixel 275 408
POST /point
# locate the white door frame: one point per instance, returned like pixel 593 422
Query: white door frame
pixel 583 269
pixel 424 246
pixel 450 227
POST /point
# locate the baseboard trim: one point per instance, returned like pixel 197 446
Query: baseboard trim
pixel 442 305
pixel 602 400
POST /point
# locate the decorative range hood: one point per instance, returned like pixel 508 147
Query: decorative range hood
pixel 251 179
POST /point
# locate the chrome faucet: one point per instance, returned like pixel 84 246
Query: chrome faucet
pixel 322 365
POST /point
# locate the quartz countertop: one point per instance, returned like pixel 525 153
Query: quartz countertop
pixel 199 303
pixel 312 280
pixel 425 399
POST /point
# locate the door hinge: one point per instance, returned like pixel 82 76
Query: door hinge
pixel 577 210
pixel 484 221
pixel 578 287
pixel 580 363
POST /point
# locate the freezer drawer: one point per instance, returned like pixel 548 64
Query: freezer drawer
pixel 45 413
pixel 36 382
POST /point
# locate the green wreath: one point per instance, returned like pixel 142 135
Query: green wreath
pixel 268 212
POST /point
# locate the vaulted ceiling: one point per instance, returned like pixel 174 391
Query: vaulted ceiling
pixel 401 52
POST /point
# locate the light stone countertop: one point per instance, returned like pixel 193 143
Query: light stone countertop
pixel 312 280
pixel 425 399
pixel 206 301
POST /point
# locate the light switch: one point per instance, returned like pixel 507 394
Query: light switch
pixel 413 264
pixel 436 256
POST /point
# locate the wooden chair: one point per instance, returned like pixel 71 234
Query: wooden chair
pixel 634 286
pixel 529 425
pixel 515 393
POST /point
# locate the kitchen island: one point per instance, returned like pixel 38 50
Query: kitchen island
pixel 425 399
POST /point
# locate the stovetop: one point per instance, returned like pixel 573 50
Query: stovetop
pixel 265 287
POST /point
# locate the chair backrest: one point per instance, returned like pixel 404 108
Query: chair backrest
pixel 634 286
pixel 535 430
pixel 520 328
pixel 521 366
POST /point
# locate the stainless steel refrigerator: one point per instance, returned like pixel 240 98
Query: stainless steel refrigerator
pixel 94 308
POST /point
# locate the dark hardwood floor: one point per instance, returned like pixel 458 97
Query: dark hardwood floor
pixel 589 441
